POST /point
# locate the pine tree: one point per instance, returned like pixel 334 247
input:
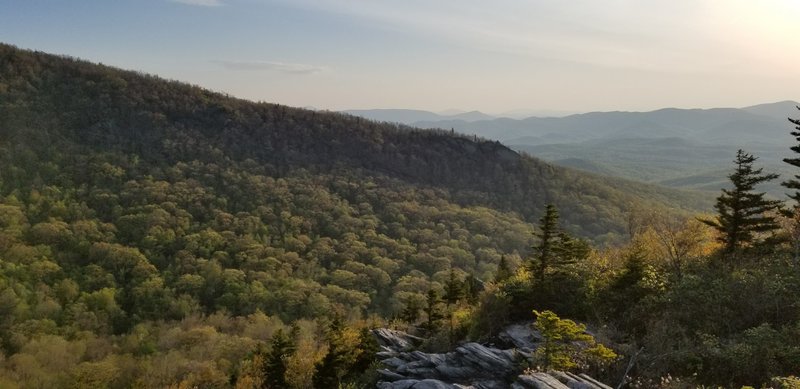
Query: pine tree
pixel 547 235
pixel 410 313
pixel 453 289
pixel 433 310
pixel 560 349
pixel 472 289
pixel 333 366
pixel 555 248
pixel 366 351
pixel 275 361
pixel 743 213
pixel 795 182
pixel 503 270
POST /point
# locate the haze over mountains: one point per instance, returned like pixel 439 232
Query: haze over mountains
pixel 683 148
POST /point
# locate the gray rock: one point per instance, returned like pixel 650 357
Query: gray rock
pixel 395 340
pixel 469 366
pixel 572 381
pixel 402 384
pixel 432 384
pixel 388 375
pixel 594 382
pixel 539 381
pixel 393 362
pixel 457 373
pixel 487 359
pixel 521 336
pixel 493 384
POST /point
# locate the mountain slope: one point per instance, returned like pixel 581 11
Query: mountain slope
pixel 155 234
pixel 55 99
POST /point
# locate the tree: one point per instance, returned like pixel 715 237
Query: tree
pixel 276 360
pixel 743 213
pixel 795 182
pixel 453 289
pixel 410 313
pixel 680 240
pixel 433 311
pixel 556 248
pixel 566 343
pixel 547 235
pixel 333 367
pixel 503 270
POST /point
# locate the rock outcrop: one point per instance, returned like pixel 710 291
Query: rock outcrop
pixel 470 365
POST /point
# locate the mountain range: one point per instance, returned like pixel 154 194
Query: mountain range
pixel 682 148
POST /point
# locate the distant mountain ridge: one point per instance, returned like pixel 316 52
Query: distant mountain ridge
pixel 670 146
pixel 674 147
pixel 700 125
pixel 411 116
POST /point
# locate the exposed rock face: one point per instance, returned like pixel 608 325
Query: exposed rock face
pixel 470 365
pixel 521 336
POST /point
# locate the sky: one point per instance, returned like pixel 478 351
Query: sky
pixel 493 56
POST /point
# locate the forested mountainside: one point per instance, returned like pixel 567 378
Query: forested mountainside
pixel 154 234
pixel 58 102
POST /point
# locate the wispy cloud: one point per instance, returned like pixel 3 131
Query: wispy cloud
pixel 282 67
pixel 200 3
pixel 629 34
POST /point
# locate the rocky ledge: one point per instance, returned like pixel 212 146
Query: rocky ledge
pixel 470 365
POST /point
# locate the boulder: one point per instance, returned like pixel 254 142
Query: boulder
pixel 396 340
pixel 537 381
pixel 416 384
pixel 521 336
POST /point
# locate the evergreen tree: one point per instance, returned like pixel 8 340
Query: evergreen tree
pixel 555 248
pixel 742 213
pixel 795 182
pixel 453 289
pixel 472 289
pixel 433 311
pixel 503 270
pixel 560 349
pixel 365 356
pixel 333 366
pixel 410 313
pixel 547 236
pixel 275 364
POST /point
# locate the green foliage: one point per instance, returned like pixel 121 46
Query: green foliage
pixel 794 183
pixel 503 270
pixel 434 312
pixel 275 362
pixel 555 249
pixel 566 344
pixel 350 354
pixel 454 289
pixel 154 234
pixel 741 213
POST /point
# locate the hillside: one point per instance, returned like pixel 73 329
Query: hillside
pixel 152 232
pixel 155 234
pixel 50 100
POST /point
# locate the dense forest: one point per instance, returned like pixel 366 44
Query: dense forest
pixel 155 234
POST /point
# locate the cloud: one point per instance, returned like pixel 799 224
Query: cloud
pixel 200 3
pixel 678 36
pixel 282 67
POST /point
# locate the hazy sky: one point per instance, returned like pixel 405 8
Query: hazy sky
pixel 493 56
